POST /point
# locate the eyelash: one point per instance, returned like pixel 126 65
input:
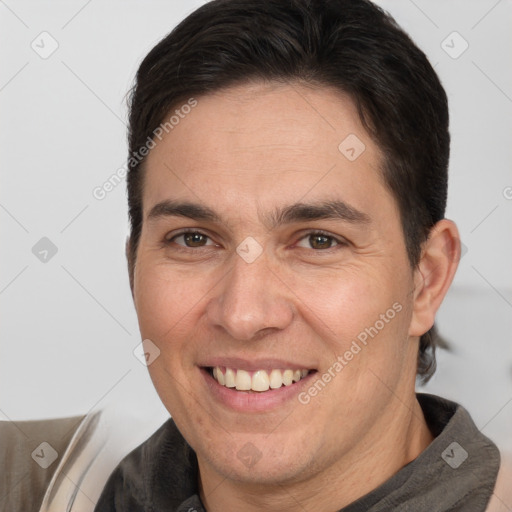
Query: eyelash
pixel 340 242
pixel 169 241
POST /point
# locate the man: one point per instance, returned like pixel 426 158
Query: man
pixel 287 256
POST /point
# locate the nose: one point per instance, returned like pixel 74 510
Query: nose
pixel 250 301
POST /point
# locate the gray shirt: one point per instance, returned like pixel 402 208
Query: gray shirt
pixel 456 472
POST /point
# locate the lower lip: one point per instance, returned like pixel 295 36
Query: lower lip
pixel 254 402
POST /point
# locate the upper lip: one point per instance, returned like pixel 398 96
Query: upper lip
pixel 255 364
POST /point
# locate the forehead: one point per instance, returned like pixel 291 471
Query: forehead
pixel 263 144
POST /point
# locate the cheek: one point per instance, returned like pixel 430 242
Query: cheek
pixel 167 301
pixel 167 304
pixel 362 316
pixel 346 301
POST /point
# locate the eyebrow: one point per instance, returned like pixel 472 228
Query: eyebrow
pixel 335 210
pixel 194 211
pixel 298 212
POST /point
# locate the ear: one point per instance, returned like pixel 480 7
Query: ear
pixel 129 260
pixel 434 274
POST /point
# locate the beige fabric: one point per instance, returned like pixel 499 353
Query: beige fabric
pixel 501 499
pixel 102 439
pixel 23 476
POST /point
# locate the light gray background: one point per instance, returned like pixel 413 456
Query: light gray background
pixel 68 324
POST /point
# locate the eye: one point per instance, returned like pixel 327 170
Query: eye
pixel 319 241
pixel 191 239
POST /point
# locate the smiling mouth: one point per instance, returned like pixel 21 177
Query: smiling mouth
pixel 258 381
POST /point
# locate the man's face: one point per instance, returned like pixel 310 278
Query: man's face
pixel 292 251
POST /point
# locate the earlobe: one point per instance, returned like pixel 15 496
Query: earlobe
pixel 434 274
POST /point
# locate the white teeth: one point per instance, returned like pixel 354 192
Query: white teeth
pixel 243 380
pixel 229 377
pixel 287 377
pixel 276 379
pixel 260 380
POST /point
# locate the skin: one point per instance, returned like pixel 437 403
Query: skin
pixel 246 152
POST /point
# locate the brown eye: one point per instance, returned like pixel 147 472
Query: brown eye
pixel 191 239
pixel 195 239
pixel 318 241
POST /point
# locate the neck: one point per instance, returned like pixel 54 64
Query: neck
pixel 395 441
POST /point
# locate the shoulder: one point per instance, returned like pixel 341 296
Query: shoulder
pixel 126 488
pixel 161 471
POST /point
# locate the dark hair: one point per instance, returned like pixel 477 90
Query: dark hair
pixel 351 45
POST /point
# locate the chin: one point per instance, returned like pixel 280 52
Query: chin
pixel 257 460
